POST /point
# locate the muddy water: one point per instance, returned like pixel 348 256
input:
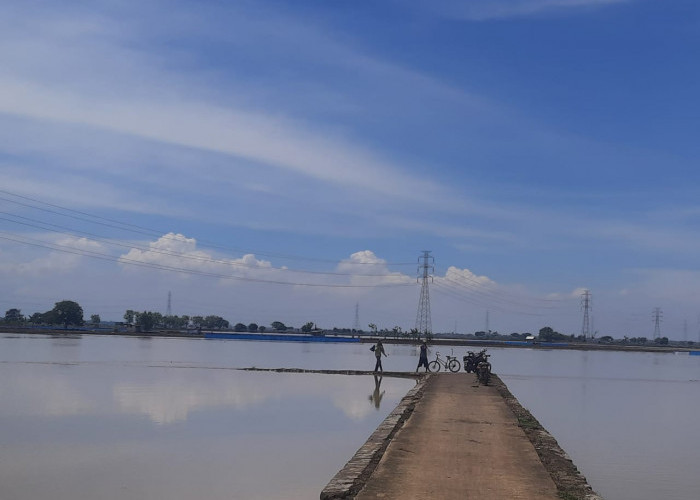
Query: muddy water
pixel 118 417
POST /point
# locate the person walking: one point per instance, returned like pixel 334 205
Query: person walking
pixel 378 351
pixel 423 359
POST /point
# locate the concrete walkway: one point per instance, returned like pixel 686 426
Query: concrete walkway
pixel 460 442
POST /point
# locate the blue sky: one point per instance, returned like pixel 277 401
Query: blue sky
pixel 536 147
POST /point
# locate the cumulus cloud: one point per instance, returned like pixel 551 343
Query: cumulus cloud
pixel 467 277
pixel 366 268
pixel 176 252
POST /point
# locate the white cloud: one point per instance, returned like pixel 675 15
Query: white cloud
pixel 482 10
pixel 467 277
pixel 52 262
pixel 176 252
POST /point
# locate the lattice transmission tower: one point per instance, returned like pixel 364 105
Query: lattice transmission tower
pixel 586 305
pixel 356 326
pixel 425 271
pixel 657 316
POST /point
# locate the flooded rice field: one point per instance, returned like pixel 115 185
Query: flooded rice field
pixel 115 417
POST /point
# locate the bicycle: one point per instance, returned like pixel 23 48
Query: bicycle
pixel 451 363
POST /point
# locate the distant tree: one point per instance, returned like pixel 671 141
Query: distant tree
pixel 661 341
pixel 605 339
pixel 14 317
pixel 175 322
pixel 262 329
pixel 95 319
pixel 397 331
pixel 240 327
pixel 197 321
pixel 373 327
pixel 253 327
pixel 308 327
pixel 547 334
pixel 480 334
pixel 215 322
pixel 278 325
pixel 130 317
pixel 145 321
pixel 37 318
pixel 67 312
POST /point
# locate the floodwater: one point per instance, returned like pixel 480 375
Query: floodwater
pixel 114 417
pixel 121 417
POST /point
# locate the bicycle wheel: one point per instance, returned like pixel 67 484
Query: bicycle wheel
pixel 434 366
pixel 454 365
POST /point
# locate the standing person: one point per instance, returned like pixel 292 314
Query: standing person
pixel 378 351
pixel 423 359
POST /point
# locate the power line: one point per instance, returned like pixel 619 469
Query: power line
pixel 134 228
pixel 124 260
pixel 76 233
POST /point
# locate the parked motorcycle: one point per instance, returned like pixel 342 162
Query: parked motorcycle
pixel 471 360
pixel 483 370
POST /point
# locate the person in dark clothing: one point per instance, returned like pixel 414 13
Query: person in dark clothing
pixel 423 359
pixel 378 351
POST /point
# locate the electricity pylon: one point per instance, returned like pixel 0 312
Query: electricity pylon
pixel 356 327
pixel 586 305
pixel 658 318
pixel 423 315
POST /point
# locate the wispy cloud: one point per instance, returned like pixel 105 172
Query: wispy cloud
pixel 482 10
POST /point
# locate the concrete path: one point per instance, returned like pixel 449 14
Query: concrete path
pixel 460 442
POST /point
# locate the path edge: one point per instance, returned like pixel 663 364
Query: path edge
pixel 570 482
pixel 353 476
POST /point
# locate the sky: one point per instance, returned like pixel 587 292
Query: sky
pixel 291 161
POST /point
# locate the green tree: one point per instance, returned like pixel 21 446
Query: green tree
pixel 215 322
pixel 14 317
pixel 373 327
pixel 130 317
pixel 547 334
pixel 95 319
pixel 37 318
pixel 278 325
pixel 145 321
pixel 262 329
pixel 253 327
pixel 67 312
pixel 308 327
pixel 240 327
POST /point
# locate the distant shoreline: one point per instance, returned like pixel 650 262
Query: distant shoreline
pixel 365 339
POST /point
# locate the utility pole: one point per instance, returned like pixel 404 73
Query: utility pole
pixel 425 271
pixel 586 305
pixel 169 309
pixel 657 316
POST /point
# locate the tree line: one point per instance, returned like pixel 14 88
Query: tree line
pixel 66 313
